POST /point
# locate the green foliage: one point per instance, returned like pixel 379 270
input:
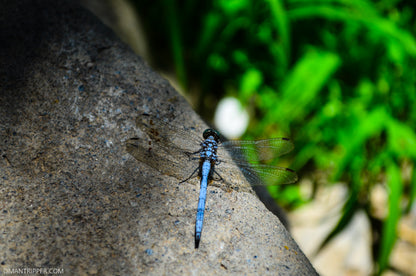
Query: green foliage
pixel 338 76
pixel 389 228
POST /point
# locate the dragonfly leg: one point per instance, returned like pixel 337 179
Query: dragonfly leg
pixel 192 175
pixel 213 183
pixel 228 185
pixel 189 154
pixel 220 177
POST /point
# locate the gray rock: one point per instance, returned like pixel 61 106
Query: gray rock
pixel 72 198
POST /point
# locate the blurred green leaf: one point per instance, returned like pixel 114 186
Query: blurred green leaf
pixel 211 26
pixel 401 139
pixel 218 62
pixel 388 238
pixel 381 28
pixel 352 204
pixel 281 25
pixel 250 83
pixel 303 84
pixel 353 138
pixel 412 193
pixel 176 41
pixel 231 7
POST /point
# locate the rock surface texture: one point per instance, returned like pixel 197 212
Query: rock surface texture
pixel 72 198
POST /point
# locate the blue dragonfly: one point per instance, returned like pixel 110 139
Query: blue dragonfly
pixel 175 152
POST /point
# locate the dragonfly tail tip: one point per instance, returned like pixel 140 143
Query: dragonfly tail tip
pixel 197 239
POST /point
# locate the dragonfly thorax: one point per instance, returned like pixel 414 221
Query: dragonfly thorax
pixel 209 148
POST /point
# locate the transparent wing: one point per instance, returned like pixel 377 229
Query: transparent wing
pixel 171 138
pixel 260 150
pixel 256 174
pixel 169 150
pixel 178 165
pixel 255 151
pixel 260 174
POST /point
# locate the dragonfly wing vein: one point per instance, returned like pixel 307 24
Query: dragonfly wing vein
pixel 261 150
pixel 179 166
pixel 271 175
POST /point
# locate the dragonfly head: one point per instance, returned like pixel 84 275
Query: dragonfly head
pixel 211 132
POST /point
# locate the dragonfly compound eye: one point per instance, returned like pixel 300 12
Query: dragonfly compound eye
pixel 211 132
